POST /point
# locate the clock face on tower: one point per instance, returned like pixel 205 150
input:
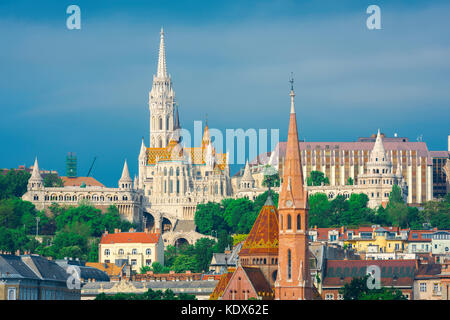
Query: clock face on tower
pixel 288 203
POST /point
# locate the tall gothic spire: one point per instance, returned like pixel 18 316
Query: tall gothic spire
pixel 292 191
pixel 162 70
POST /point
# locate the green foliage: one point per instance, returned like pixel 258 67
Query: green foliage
pixel 357 289
pixel 231 215
pixel 13 183
pixel 273 180
pixel 350 181
pixel 316 178
pixel 149 295
pixel 237 238
pixel 53 180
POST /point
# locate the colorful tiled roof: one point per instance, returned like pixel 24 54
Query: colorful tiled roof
pixel 130 237
pixel 222 285
pixel 263 238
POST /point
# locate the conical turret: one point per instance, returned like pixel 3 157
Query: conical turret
pixel 125 181
pixel 36 180
pixel 247 181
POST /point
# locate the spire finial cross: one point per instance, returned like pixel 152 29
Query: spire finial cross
pixel 291 80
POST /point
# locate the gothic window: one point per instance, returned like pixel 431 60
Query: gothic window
pixel 167 123
pixel 289 265
pixel 165 171
pixel 36 197
pixel 124 198
pixel 281 222
pixel 299 222
pixel 171 172
pixel 178 186
pixel 170 186
pixel 160 124
pixel 289 222
pixel 178 172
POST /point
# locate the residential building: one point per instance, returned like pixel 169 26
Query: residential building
pixel 440 243
pixel 139 249
pixel 32 277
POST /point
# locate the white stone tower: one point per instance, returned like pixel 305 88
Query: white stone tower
pixel 125 181
pixel 161 103
pixel 36 181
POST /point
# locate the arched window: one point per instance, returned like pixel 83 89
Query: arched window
pixel 289 265
pixel 299 222
pixel 160 125
pixel 171 172
pixel 107 252
pixel 134 251
pixel 165 171
pixel 120 251
pixel 148 251
pixel 289 222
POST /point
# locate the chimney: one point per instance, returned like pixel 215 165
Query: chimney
pixel 188 271
pixel 146 230
pixel 171 272
pixel 106 231
pixel 131 230
pixel 116 230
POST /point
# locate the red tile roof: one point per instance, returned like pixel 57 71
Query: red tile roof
pixel 419 233
pixel 89 181
pixel 130 237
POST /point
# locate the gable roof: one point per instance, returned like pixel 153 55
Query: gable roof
pixel 130 237
pixel 221 285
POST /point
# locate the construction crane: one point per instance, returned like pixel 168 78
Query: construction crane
pixel 90 169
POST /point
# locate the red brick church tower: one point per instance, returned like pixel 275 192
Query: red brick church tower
pixel 293 277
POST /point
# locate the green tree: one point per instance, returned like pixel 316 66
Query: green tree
pixel 53 180
pixel 316 178
pixel 273 179
pixel 14 183
pixel 350 181
pixel 357 289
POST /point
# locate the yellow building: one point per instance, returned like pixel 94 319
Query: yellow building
pixel 138 249
pixel 380 240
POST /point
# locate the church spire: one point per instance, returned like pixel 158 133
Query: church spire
pixel 162 69
pixel 292 191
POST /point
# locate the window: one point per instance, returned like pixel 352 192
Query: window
pixel 107 252
pixel 329 296
pixel 423 287
pixel 289 222
pixel 340 296
pixel 148 251
pixel 134 251
pixel 148 262
pixel 120 251
pixel 289 266
pixel 133 262
pixel 299 222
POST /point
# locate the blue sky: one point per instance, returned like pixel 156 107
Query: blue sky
pixel 86 90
